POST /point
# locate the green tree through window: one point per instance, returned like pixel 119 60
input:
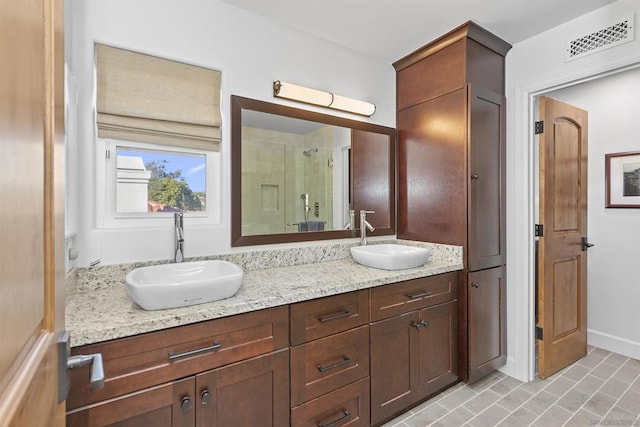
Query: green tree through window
pixel 171 189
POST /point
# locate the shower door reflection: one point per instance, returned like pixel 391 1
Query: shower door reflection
pixel 292 180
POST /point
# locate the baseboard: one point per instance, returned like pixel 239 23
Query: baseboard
pixel 613 343
pixel 509 368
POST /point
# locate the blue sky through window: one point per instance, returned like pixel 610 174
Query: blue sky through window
pixel 192 165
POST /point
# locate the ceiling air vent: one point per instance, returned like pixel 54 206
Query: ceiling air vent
pixel 618 33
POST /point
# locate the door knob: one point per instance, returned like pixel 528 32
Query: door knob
pixel 67 362
pixel 97 371
pixel 586 245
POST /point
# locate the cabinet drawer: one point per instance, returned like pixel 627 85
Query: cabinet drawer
pixel 347 406
pixel 319 318
pixel 157 357
pixel 399 298
pixel 321 366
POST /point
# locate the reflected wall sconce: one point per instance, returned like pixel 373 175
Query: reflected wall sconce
pixel 323 99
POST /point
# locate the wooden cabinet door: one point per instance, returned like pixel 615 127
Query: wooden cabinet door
pixel 254 392
pixel 168 405
pixel 394 365
pixel 486 216
pixel 438 347
pixel 486 307
pixel 432 170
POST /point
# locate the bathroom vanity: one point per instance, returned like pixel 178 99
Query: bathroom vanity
pixel 329 343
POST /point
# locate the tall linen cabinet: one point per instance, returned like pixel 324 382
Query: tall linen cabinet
pixel 451 176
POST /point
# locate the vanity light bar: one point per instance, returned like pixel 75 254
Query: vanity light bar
pixel 323 99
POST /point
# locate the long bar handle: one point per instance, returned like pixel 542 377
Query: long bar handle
pixel 345 415
pixel 343 313
pixel 418 295
pixel 216 345
pixel 344 361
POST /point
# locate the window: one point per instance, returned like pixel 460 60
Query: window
pixel 147 181
pixel 158 140
pixel 159 181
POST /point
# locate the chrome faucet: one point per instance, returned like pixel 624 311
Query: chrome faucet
pixel 179 257
pixel 364 225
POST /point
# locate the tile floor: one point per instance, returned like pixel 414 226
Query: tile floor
pixel 603 389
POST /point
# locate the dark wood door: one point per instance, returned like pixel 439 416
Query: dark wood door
pixel 394 366
pixel 168 405
pixel 486 310
pixel 432 170
pixel 254 392
pixel 562 261
pixel 438 347
pixel 486 217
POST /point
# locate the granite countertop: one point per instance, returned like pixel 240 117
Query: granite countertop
pixel 96 314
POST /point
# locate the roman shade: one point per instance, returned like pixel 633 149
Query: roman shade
pixel 149 99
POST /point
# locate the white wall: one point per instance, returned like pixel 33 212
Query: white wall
pixel 534 66
pixel 613 104
pixel 251 53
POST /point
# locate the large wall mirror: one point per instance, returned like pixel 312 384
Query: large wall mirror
pixel 297 175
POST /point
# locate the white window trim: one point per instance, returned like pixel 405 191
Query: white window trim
pixel 106 215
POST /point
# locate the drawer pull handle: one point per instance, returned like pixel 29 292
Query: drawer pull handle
pixel 215 346
pixel 344 416
pixel 344 313
pixel 419 295
pixel 344 361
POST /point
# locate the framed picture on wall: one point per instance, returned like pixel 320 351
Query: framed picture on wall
pixel 622 175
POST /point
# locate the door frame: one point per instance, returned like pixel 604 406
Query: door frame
pixel 522 205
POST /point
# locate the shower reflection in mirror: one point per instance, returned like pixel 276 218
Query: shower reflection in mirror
pixel 296 178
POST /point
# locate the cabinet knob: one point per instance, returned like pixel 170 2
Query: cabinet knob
pixel 416 325
pixel 475 284
pixel 205 397
pixel 424 323
pixel 475 176
pixel 186 404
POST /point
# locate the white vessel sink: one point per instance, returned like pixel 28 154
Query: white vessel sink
pixel 181 284
pixel 390 256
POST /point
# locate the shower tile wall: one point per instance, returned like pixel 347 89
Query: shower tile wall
pixel 263 180
pixel 275 173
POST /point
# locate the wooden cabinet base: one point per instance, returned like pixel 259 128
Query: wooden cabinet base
pixel 160 406
pixel 486 307
pixel 412 356
pixel 254 392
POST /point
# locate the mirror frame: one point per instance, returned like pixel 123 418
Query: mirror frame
pixel 238 104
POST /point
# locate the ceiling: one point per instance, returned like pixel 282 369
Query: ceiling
pixel 390 29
